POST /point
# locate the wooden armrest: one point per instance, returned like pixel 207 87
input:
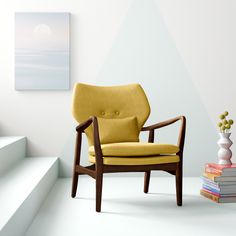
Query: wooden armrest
pixel 81 127
pixel 97 145
pixel 162 124
pixel 181 137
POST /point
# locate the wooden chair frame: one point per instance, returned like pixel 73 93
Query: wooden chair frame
pixel 96 170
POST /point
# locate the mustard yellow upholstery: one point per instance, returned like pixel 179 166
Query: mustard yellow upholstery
pixel 109 102
pixel 137 160
pixel 130 149
pixel 118 130
pixel 121 112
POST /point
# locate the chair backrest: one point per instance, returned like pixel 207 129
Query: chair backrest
pixel 109 102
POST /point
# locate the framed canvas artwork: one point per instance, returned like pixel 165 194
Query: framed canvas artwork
pixel 42 51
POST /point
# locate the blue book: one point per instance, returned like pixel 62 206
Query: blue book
pixel 212 189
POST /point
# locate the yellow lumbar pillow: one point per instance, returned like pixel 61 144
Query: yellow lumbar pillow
pixel 118 130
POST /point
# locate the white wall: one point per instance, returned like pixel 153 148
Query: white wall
pixel 181 51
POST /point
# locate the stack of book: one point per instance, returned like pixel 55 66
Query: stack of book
pixel 219 183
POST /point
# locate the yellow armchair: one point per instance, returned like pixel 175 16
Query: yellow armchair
pixel 112 118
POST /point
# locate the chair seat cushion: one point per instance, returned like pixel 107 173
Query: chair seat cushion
pixel 134 149
pixel 137 160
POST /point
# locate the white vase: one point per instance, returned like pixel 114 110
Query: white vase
pixel 224 153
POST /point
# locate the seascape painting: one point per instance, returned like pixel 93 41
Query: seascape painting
pixel 42 51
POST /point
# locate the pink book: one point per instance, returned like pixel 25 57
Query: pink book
pixel 221 168
pixel 210 192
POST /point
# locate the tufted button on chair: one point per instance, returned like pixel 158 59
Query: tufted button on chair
pixel 113 136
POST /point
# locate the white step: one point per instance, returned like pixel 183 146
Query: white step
pixel 12 150
pixel 22 191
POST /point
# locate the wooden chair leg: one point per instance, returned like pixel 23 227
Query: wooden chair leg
pixel 179 184
pixel 74 184
pixel 146 181
pixel 99 180
pixel 76 162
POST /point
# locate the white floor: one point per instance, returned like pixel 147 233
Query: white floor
pixel 126 210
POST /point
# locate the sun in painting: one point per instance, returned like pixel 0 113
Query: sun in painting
pixel 42 32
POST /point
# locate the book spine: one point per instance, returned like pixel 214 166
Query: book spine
pixel 210 182
pixel 209 196
pixel 214 171
pixel 208 191
pixel 209 176
pixel 215 190
pixel 219 179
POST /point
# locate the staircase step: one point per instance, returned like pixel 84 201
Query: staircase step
pixel 12 150
pixel 22 191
